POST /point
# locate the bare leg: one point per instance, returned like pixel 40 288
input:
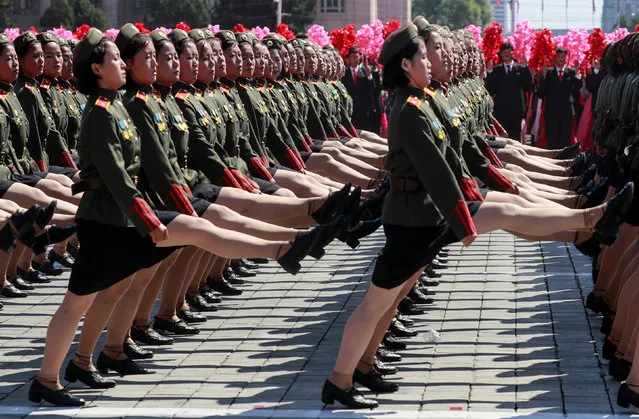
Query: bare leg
pixel 178 279
pixel 59 191
pixel 610 259
pixel 362 167
pixel 25 196
pixel 326 165
pixel 628 264
pixel 302 185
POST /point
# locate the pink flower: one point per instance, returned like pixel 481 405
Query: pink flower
pixel 214 28
pixel 261 32
pixel 476 30
pixel 112 33
pixel 616 35
pixel 62 33
pixel 522 39
pixel 163 29
pixel 12 33
pixel 369 39
pixel 318 35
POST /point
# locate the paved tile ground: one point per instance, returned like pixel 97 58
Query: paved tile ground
pixel 516 340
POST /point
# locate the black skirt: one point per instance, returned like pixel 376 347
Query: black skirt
pixel 409 249
pixel 207 192
pixel 30 180
pixel 200 206
pixel 4 186
pixel 109 254
pixel 66 171
pixel 266 187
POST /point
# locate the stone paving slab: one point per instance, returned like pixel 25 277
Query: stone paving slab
pixel 516 341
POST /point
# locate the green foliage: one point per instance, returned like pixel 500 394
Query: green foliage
pixel 86 12
pixel 249 13
pixel 454 13
pixel 628 22
pixel 298 14
pixel 60 13
pixel 6 10
pixel 196 13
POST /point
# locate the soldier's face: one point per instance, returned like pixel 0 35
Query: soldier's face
pixel 435 50
pixel 276 63
pixel 168 65
pixel 248 61
pixel 8 65
pixel 143 66
pixel 52 59
pixel 260 61
pixel 67 64
pixel 418 67
pixel 449 56
pixel 206 65
pixel 285 59
pixel 218 57
pixel 112 72
pixel 189 61
pixel 233 58
pixel 310 60
pixel 33 62
pixel 301 61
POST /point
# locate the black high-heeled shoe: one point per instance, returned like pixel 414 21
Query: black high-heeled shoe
pixel 351 399
pixel 329 233
pixel 627 397
pixel 123 367
pixel 19 224
pixel 619 369
pixel 36 229
pixel 596 304
pixel 60 398
pixel 597 194
pixel 608 225
pixel 92 379
pixel 608 350
pixel 327 211
pixel 374 381
pixel 133 351
pixel 366 228
pixel 50 235
pixel 569 152
pixel 300 248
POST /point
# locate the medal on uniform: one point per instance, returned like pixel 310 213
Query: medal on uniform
pixel 204 121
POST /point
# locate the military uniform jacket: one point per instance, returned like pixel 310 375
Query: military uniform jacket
pixel 417 151
pixel 41 123
pixel 160 178
pixel 8 160
pixel 201 151
pixel 299 105
pixel 288 107
pixel 109 149
pixel 179 135
pixel 317 120
pixel 57 146
pixel 19 131
pixel 74 114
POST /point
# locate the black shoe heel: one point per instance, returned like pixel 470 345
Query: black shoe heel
pixel 618 206
pixel 351 399
pixel 60 398
pixel 627 397
pixel 91 379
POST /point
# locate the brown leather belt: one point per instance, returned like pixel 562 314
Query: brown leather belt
pixel 405 185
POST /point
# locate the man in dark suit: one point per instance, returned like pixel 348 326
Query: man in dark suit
pixel 363 85
pixel 593 80
pixel 507 83
pixel 559 86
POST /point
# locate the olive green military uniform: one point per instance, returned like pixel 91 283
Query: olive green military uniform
pixel 74 115
pixel 57 147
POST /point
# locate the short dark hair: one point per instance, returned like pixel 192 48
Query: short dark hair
pixel 24 49
pixel 139 41
pixel 87 79
pixel 181 46
pixel 353 50
pixel 561 50
pixel 393 75
pixel 506 45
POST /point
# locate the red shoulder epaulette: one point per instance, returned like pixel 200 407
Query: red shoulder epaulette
pixel 414 100
pixel 429 92
pixel 182 94
pixel 142 96
pixel 45 84
pixel 103 102
pixel 28 86
pixel 224 89
pixel 3 94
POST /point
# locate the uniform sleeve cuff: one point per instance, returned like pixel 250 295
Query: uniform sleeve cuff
pixel 461 221
pixel 144 213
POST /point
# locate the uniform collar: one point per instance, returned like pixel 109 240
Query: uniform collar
pixel 164 90
pixel 26 79
pixel 180 85
pixel 54 82
pixel 141 87
pixel 201 86
pixel 6 87
pixel 107 93
pixel 413 91
pixel 227 82
pixel 64 83
pixel 215 85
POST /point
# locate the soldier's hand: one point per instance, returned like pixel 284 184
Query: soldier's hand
pixel 160 234
pixel 468 240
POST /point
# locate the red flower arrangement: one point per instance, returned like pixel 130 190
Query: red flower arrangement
pixel 492 42
pixel 33 29
pixel 185 27
pixel 80 31
pixel 239 28
pixel 344 38
pixel 390 27
pixel 542 51
pixel 597 43
pixel 283 30
pixel 141 27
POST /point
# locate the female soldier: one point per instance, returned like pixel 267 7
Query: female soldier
pixel 119 231
pixel 426 210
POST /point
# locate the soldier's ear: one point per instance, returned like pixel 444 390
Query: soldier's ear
pixel 405 64
pixel 97 69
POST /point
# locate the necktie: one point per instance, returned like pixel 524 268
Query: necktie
pixel 561 75
pixel 354 76
pixel 507 68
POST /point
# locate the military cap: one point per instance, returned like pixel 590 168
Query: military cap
pixel 24 40
pixel 227 38
pixel 242 38
pixel 208 34
pixel 125 36
pixel 396 41
pixel 297 43
pixel 273 43
pixel 421 23
pixel 47 37
pixel 4 39
pixel 73 43
pixel 197 35
pixel 178 37
pixel 158 36
pixel 63 43
pixel 87 45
